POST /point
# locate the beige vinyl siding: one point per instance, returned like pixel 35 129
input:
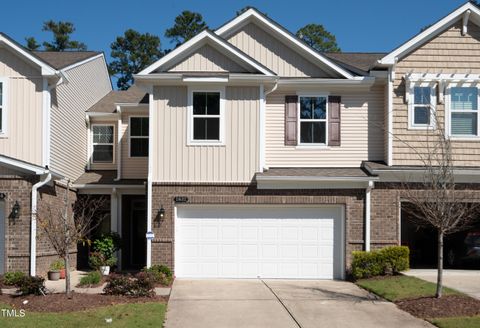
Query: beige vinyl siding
pixel 449 52
pixel 362 135
pixel 104 166
pixel 87 84
pixel 274 54
pixel 207 59
pixel 132 167
pixel 174 160
pixel 24 109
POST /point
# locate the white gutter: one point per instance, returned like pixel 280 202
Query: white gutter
pixel 149 179
pixel 107 186
pixel 368 191
pixel 119 144
pixel 356 81
pixel 33 227
pixel 315 178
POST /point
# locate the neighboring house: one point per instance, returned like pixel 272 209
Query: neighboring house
pixel 43 141
pixel 244 153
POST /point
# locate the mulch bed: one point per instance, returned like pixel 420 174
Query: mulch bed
pixel 79 302
pixel 446 306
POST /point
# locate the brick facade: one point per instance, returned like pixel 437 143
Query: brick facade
pixel 17 230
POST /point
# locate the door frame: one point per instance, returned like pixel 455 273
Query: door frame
pixel 343 223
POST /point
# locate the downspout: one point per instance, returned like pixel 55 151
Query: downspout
pixel 44 179
pixel 391 79
pixel 368 202
pixel 149 179
pixel 119 145
pixel 89 146
pixel 262 123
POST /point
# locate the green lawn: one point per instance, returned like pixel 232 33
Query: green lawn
pixel 397 288
pixel 123 315
pixel 457 322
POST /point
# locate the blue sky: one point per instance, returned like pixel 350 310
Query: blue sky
pixel 369 25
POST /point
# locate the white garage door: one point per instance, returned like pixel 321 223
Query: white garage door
pixel 251 242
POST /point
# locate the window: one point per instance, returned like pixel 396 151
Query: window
pixel 206 116
pixel 464 111
pixel 421 109
pixel 102 143
pixel 138 136
pixel 313 120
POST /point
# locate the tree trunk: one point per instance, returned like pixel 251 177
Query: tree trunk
pixel 67 275
pixel 438 294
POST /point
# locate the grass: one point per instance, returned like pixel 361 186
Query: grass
pixel 123 315
pixel 457 322
pixel 401 287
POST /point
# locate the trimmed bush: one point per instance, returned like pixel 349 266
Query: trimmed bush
pixel 13 278
pixel 32 285
pixel 92 278
pixel 388 260
pixel 161 274
pixel 142 285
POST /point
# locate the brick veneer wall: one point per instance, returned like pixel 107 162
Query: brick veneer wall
pixel 17 231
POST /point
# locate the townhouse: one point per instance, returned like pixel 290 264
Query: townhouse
pixel 244 153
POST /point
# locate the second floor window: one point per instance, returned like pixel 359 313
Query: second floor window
pixel 464 111
pixel 138 136
pixel 421 114
pixel 103 138
pixel 313 120
pixel 206 116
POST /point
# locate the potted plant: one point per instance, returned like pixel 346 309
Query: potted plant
pixel 99 261
pixel 102 257
pixel 59 265
pixel 54 272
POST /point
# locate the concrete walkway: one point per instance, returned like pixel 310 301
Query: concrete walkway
pixel 280 304
pixel 465 281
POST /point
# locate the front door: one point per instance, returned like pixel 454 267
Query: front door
pixel 134 228
pixel 2 237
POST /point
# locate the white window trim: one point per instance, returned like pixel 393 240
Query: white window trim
pixel 190 140
pixel 312 145
pixel 135 137
pixel 411 107
pixel 448 112
pixel 94 144
pixel 4 105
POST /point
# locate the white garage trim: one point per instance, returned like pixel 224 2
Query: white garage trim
pixel 268 241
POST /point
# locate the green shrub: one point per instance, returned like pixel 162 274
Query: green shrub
pixel 57 265
pixel 32 285
pixel 397 258
pixel 392 259
pixel 142 285
pixel 13 278
pixel 92 278
pixel 98 259
pixel 161 274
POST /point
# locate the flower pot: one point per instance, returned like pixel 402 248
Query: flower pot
pixel 62 273
pixel 105 270
pixel 53 275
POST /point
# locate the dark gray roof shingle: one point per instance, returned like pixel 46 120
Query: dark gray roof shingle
pixel 358 62
pixel 106 178
pixel 354 172
pixel 62 59
pixel 133 95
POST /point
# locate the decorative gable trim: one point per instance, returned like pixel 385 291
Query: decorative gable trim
pixel 465 13
pixel 241 20
pixel 216 40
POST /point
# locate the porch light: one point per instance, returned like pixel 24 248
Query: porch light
pixel 15 210
pixel 161 213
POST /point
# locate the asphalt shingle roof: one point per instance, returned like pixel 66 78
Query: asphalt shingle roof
pixel 133 95
pixel 62 59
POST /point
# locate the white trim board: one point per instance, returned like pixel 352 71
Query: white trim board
pixel 241 20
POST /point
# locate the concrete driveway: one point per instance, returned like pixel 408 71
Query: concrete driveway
pixel 465 281
pixel 280 304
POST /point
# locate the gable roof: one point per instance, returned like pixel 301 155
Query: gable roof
pixel 468 11
pixel 200 39
pixel 356 62
pixel 63 59
pixel 252 13
pixel 134 95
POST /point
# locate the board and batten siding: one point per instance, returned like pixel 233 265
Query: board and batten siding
pixel 362 135
pixel 24 109
pixel 132 167
pixel 272 53
pixel 174 160
pixel 207 59
pixel 87 84
pixel 449 52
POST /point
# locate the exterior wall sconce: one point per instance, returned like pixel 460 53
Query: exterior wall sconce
pixel 15 210
pixel 161 213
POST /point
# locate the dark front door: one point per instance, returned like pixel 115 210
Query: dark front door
pixel 134 228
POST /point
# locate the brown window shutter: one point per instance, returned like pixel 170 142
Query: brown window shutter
pixel 291 120
pixel 334 120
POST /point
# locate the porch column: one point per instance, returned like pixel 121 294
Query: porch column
pixel 114 210
pixel 368 191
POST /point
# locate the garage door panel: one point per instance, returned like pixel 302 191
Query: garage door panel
pixel 250 242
